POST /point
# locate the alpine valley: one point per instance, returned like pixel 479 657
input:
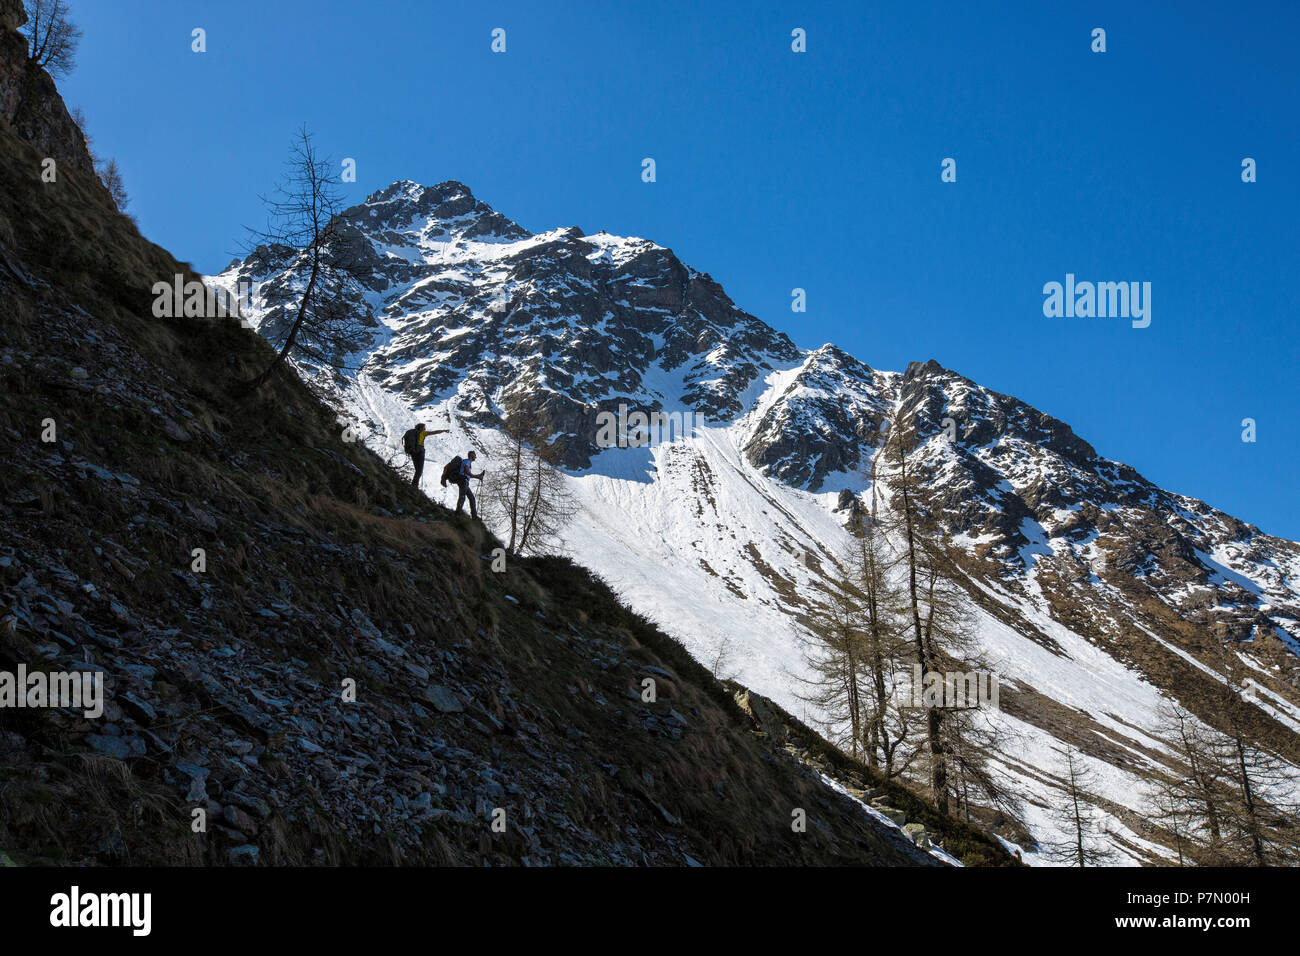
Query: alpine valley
pixel 1095 593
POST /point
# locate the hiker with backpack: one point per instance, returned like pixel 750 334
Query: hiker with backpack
pixel 459 471
pixel 413 442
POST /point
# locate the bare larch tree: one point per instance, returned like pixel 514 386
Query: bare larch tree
pixel 524 492
pixel 305 231
pixel 52 38
pixel 1082 845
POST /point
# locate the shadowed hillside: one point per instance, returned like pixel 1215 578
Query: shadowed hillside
pixel 476 692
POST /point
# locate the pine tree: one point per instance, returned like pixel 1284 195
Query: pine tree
pixel 1194 798
pixel 835 654
pixel 1082 846
pixel 305 229
pixel 52 38
pixel 1261 830
pixel 972 736
pixel 905 488
pixel 111 176
pixel 941 623
pixel 887 727
pixel 1233 799
pixel 525 492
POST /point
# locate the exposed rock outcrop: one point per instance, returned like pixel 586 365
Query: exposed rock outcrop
pixel 30 104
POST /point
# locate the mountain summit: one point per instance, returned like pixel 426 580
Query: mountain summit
pixel 1097 592
pixel 460 304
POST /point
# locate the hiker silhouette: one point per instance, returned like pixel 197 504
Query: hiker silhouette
pixel 413 443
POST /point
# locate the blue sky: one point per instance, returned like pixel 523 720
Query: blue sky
pixel 818 170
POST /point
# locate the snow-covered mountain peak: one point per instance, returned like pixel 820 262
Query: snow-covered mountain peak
pixel 409 216
pixel 1096 590
pixel 458 300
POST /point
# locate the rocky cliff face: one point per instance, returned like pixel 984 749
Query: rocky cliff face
pixel 30 104
pixel 825 420
pixel 1015 484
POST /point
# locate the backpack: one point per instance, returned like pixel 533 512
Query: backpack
pixel 411 441
pixel 451 471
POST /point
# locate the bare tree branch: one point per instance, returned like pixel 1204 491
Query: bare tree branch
pixel 52 37
pixel 314 313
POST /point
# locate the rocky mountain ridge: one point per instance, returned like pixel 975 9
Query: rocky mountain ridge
pixel 305 661
pixel 466 309
pixel 468 317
